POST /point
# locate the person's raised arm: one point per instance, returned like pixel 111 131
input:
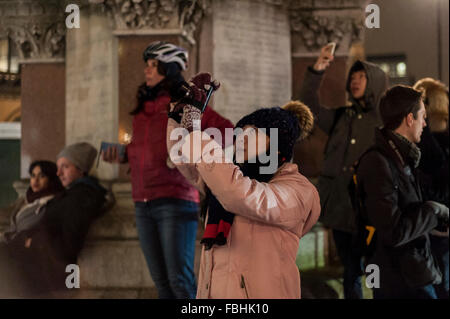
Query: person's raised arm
pixel 287 204
pixel 173 141
pixel 309 92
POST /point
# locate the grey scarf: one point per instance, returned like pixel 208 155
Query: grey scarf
pixel 410 149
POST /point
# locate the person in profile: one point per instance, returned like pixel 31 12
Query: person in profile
pixel 389 188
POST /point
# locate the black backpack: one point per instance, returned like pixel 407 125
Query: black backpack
pixel 365 239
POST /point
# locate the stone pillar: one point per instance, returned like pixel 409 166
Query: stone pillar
pixel 250 56
pixel 92 91
pixel 37 30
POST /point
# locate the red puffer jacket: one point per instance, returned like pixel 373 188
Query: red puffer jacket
pixel 147 153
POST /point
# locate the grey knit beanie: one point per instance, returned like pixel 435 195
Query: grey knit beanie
pixel 82 155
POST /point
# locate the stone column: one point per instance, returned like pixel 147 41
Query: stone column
pixel 250 56
pixel 92 90
pixel 37 29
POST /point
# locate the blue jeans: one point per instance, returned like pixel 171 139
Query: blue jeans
pixel 352 262
pixel 167 230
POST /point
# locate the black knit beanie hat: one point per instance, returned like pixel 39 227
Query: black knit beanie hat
pixel 293 121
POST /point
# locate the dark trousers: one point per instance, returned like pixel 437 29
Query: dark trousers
pixel 352 262
pixel 439 249
pixel 400 291
pixel 22 275
pixel 167 230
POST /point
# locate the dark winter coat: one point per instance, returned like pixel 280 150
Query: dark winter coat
pixel 435 165
pixel 396 209
pixel 57 240
pixel 350 131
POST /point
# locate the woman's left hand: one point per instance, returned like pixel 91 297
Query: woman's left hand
pixel 191 119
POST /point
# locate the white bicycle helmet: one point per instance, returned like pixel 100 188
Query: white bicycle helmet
pixel 167 53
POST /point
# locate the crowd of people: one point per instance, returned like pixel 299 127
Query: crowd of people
pixel 392 144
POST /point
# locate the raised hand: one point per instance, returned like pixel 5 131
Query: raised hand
pixel 325 58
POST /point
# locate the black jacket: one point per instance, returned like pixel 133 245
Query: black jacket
pixel 69 216
pixel 60 235
pixel 350 131
pixel 396 209
pixel 435 165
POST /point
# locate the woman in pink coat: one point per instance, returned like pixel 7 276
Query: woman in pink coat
pixel 255 220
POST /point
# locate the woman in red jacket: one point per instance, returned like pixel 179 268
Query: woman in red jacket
pixel 166 203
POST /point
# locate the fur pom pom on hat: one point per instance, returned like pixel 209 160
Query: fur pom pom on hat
pixel 304 116
pixel 294 121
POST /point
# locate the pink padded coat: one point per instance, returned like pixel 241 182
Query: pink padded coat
pixel 258 260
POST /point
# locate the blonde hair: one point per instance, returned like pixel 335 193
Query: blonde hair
pixel 435 96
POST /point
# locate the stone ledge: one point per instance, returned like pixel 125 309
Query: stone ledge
pixel 113 263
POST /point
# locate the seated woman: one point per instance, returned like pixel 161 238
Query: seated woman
pixel 25 214
pixel 26 210
pixel 255 220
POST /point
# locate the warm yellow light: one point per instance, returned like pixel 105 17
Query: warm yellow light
pixel 124 137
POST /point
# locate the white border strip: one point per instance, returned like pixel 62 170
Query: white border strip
pixel 10 131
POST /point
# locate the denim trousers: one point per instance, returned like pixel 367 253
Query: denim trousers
pixel 352 263
pixel 167 231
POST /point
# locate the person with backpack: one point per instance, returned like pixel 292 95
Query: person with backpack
pixel 350 133
pixel 390 195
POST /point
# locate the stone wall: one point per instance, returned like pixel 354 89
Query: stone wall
pixel 251 56
pixel 92 84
